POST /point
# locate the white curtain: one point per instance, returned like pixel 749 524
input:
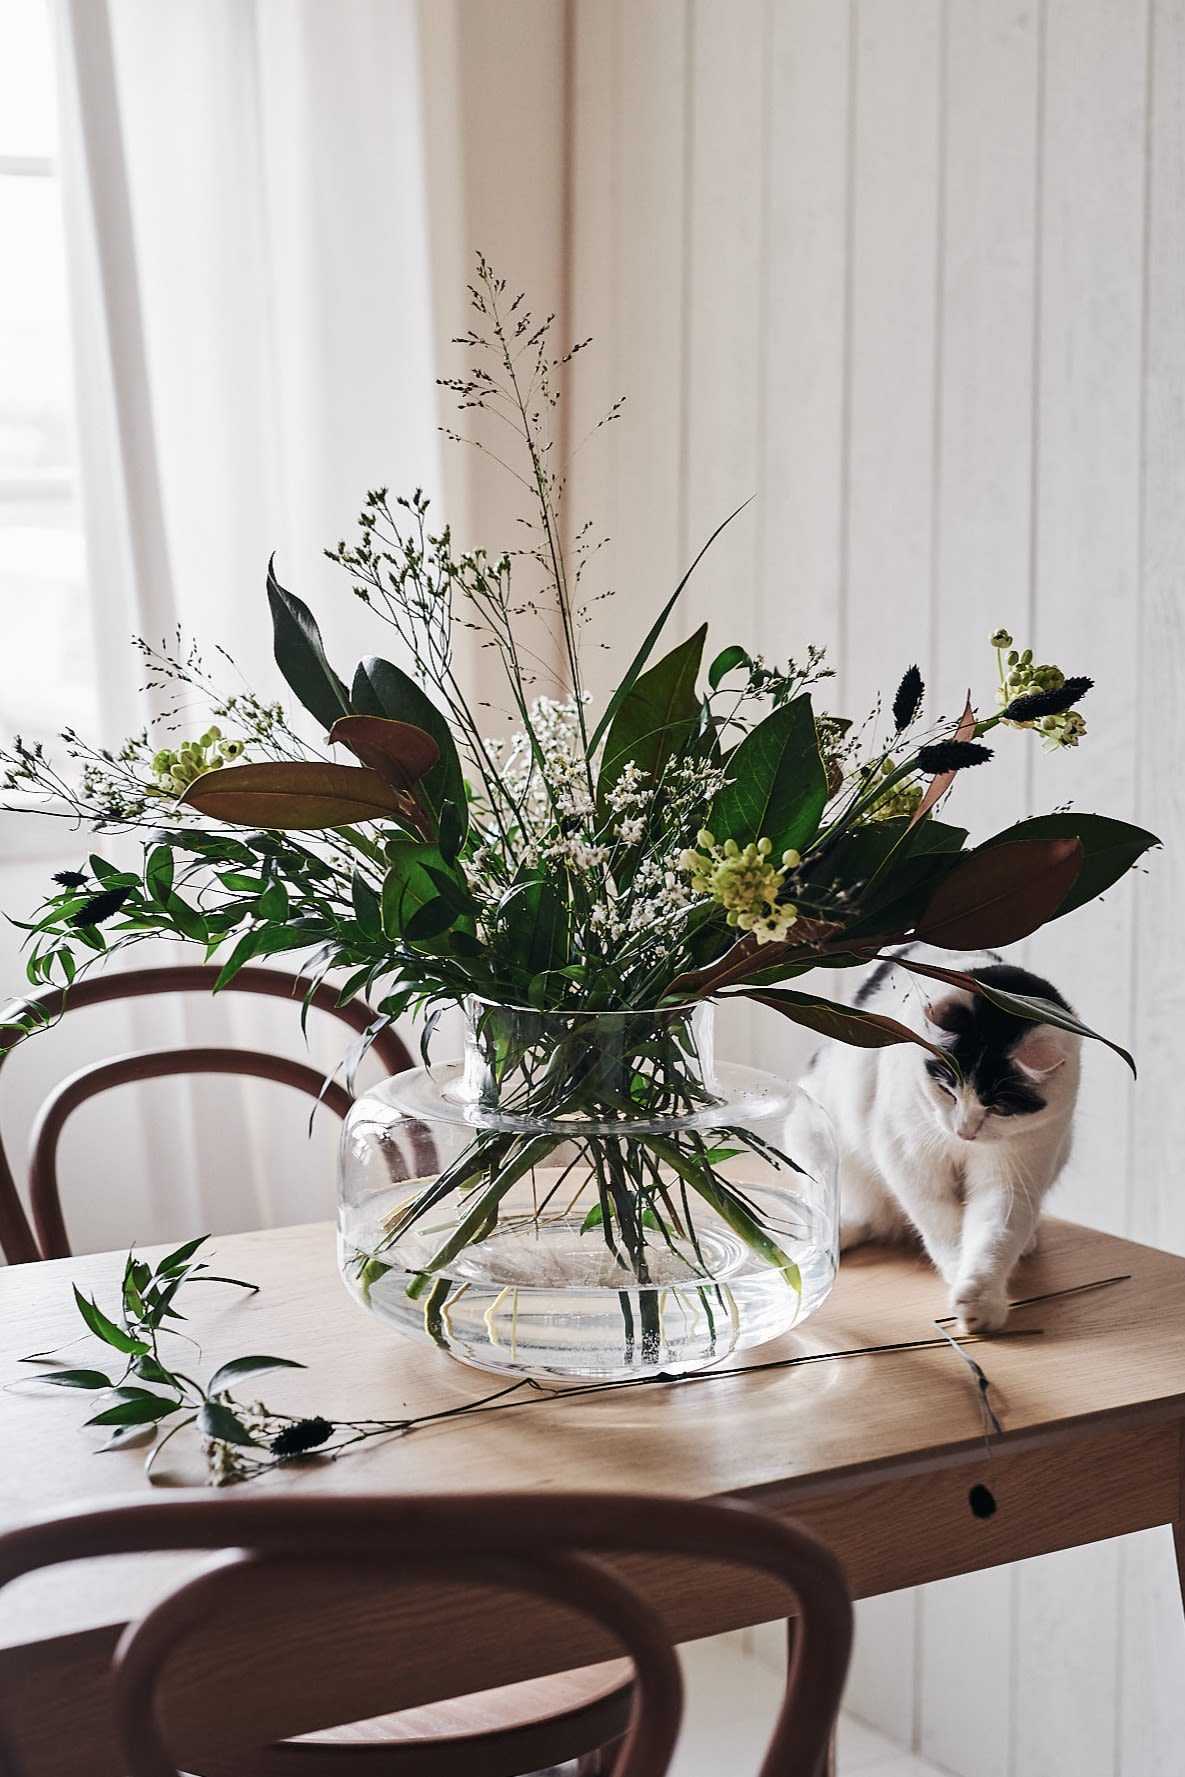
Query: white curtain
pixel 247 231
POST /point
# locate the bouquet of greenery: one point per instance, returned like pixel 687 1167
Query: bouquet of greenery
pixel 707 834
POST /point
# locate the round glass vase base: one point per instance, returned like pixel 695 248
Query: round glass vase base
pixel 570 1324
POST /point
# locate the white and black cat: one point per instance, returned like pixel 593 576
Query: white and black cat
pixel 965 1166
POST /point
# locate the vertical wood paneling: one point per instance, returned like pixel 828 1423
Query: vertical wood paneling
pixel 1090 349
pixel 724 310
pixel 893 234
pixel 894 238
pixel 982 523
pixel 724 320
pixel 801 503
pixel 1151 1726
pixel 887 263
pixel 1158 1123
pixel 1088 513
pixel 627 253
pixel 984 457
pixel 799 516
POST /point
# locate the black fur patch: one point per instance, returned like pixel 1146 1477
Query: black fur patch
pixel 982 1038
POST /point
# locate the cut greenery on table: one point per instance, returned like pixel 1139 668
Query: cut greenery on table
pixel 708 832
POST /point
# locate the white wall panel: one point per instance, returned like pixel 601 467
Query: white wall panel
pixel 920 263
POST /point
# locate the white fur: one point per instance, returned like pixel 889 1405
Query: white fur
pixel 913 1159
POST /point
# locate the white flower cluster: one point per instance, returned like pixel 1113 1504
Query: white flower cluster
pixel 546 785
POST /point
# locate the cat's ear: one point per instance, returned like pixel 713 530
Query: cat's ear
pixel 949 1013
pixel 1039 1053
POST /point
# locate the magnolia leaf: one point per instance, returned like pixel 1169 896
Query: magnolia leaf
pixel 1022 1005
pixel 300 655
pixel 380 689
pixel 1000 895
pixel 1110 847
pixel 241 1369
pixel 748 957
pixel 938 786
pixel 848 1024
pixel 399 752
pixel 294 794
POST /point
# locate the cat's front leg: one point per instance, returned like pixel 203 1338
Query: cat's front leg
pixel 930 1198
pixel 999 1226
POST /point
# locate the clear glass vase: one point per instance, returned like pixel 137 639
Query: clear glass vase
pixel 586 1195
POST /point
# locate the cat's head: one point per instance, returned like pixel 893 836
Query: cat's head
pixel 1012 1070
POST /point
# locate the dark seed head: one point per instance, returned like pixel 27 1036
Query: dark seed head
pixel 70 879
pixel 99 907
pixel 908 700
pixel 305 1434
pixel 1047 703
pixel 951 755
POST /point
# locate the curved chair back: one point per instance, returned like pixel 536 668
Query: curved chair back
pixel 537 1545
pixel 47 1238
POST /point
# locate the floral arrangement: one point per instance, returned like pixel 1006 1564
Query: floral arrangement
pixel 710 833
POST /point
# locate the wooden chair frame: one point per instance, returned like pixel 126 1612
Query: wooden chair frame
pixel 18 1240
pixel 539 1544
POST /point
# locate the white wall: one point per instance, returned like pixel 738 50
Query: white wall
pixel 911 272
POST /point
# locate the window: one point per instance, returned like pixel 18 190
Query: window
pixel 46 658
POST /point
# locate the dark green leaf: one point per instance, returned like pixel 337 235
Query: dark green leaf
pixel 657 719
pixel 300 655
pixel 778 787
pixel 186 919
pixel 638 663
pixel 450 832
pixel 218 1421
pixel 248 946
pixel 138 1407
pixel 148 1369
pixel 407 885
pixel 367 910
pixel 1030 1006
pixel 105 1329
pixel 429 921
pixel 724 663
pixel 180 1256
pixel 241 1369
pixel 158 874
pixel 76 1378
pixel 272 904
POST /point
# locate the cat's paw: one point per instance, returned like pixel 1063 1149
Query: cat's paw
pixel 853 1234
pixel 981 1308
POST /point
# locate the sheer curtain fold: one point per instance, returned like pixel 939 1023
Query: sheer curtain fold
pixel 248 238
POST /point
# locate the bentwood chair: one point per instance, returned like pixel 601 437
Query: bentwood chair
pixel 571 1714
pixel 205 1684
pixel 47 1237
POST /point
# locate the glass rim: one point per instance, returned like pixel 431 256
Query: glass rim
pixel 478 999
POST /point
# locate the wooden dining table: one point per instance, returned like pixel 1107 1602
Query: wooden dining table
pixel 877 1452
